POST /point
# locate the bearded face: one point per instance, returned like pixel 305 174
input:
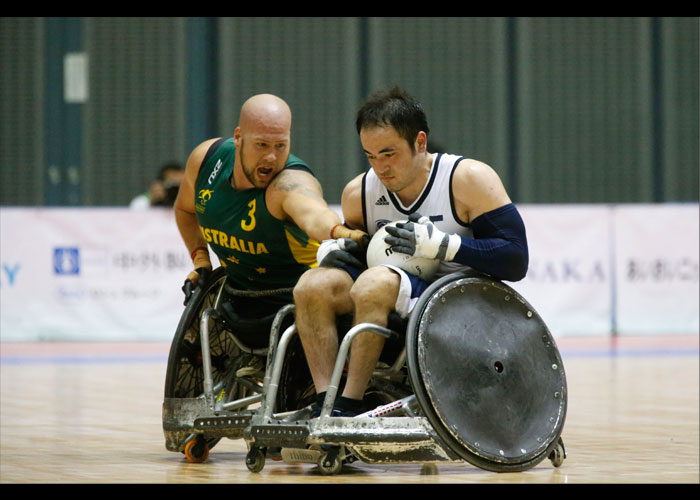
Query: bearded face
pixel 262 159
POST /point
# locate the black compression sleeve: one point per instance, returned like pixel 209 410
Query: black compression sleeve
pixel 499 247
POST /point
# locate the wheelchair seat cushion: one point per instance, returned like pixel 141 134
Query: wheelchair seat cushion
pixel 254 331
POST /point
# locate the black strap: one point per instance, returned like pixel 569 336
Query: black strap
pixel 212 149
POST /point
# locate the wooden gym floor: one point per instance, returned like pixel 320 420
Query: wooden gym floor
pixel 91 413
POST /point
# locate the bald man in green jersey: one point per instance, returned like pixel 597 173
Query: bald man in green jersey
pixel 256 205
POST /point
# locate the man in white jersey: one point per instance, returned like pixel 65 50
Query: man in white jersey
pixel 458 210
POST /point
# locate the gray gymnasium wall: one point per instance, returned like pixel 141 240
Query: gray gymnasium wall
pixel 567 110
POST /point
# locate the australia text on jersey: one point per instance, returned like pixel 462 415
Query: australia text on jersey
pixel 230 241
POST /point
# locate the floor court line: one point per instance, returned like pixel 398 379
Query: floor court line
pixel 153 352
pixel 91 413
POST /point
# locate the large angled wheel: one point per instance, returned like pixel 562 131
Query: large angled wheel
pixel 184 376
pixel 486 372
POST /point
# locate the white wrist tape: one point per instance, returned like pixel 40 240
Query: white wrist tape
pixel 326 247
pixel 433 243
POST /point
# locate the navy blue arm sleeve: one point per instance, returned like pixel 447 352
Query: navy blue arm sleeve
pixel 499 246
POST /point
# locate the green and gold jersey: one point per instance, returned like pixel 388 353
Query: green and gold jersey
pixel 258 251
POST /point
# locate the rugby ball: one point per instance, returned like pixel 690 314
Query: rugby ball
pixel 379 252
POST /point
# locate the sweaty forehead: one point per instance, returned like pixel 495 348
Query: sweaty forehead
pixel 379 139
pixel 270 132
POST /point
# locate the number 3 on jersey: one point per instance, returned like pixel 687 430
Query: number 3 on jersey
pixel 246 225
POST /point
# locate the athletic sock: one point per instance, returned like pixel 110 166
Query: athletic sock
pixel 349 405
pixel 342 403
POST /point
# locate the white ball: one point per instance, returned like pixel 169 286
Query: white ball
pixel 379 252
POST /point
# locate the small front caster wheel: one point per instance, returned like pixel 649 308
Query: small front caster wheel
pixel 558 454
pixel 329 463
pixel 255 460
pixel 197 450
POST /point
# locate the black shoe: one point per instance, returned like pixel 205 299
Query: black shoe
pixel 343 407
pixel 335 412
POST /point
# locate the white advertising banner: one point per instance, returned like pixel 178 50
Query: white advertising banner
pixel 90 274
pixel 113 274
pixel 568 280
pixel 656 250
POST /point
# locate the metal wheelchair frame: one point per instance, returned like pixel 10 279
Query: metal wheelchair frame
pixel 397 432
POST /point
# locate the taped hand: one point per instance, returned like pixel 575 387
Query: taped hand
pixel 340 253
pixel 340 231
pixel 419 237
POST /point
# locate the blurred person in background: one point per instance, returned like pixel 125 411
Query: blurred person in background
pixel 163 189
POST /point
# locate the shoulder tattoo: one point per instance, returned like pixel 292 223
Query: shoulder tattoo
pixel 291 181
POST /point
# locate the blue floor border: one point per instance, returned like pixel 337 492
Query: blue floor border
pixel 163 358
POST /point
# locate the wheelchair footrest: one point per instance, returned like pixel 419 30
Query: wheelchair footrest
pixel 279 434
pixel 232 426
pixel 384 439
pixel 351 430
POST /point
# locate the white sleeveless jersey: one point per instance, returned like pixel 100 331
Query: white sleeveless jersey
pixel 379 206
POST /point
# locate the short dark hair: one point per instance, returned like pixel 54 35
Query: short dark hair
pixel 395 108
pixel 170 166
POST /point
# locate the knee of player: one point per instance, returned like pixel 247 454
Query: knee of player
pixel 307 286
pixel 317 284
pixel 376 286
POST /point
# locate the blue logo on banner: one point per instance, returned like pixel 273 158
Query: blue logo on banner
pixel 66 261
pixel 9 273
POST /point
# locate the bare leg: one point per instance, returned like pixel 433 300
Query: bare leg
pixel 374 295
pixel 319 296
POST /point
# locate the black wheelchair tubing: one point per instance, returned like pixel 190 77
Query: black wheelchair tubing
pixel 191 313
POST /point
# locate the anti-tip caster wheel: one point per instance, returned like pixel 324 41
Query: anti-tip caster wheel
pixel 330 463
pixel 558 454
pixel 197 450
pixel 255 460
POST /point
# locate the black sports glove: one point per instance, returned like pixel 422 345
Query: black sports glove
pixel 342 252
pixel 189 287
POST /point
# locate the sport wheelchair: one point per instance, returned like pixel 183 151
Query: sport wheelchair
pixel 476 378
